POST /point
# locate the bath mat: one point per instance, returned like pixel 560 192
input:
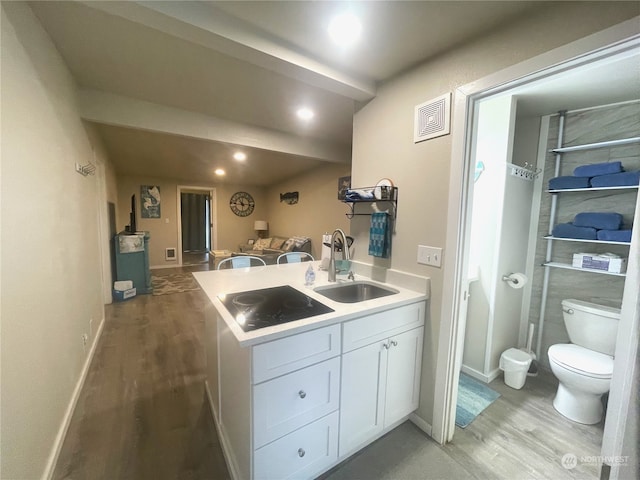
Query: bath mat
pixel 473 398
pixel 173 283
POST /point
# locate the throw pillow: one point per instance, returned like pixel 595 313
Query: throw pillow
pixel 262 243
pixel 289 244
pixel 277 242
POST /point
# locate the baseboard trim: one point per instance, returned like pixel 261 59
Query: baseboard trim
pixel 66 421
pixel 227 453
pixel 421 424
pixel 479 375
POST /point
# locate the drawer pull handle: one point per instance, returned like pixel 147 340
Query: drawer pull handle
pixel 301 452
pixel 302 394
pixel 386 345
pixel 394 343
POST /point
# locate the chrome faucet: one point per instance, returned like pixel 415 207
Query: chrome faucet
pixel 332 260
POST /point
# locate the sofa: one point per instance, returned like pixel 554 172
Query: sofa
pixel 269 249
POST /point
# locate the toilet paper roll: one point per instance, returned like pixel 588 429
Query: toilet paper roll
pixel 516 280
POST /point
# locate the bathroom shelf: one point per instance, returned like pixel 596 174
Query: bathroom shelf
pixel 548 262
pixel 549 237
pixel 593 146
pixel 594 189
pixel 566 266
pixel 392 201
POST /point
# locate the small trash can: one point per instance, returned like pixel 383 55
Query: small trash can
pixel 515 364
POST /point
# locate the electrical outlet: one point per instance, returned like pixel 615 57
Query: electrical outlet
pixel 85 339
pixel 430 256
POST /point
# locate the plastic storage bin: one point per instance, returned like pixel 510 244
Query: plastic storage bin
pixel 515 364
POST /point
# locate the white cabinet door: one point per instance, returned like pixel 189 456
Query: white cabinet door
pixel 362 387
pixel 403 375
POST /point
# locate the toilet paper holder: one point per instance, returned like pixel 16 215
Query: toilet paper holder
pixel 512 279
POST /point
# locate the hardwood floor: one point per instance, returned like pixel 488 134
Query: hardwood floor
pixel 143 414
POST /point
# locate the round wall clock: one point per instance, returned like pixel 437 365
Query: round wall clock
pixel 242 204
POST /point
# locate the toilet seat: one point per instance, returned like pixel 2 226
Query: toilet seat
pixel 581 360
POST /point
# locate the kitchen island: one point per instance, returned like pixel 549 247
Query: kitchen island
pixel 294 399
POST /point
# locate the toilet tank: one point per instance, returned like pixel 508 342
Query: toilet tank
pixel 591 325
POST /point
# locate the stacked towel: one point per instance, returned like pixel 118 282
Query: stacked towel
pixel 614 235
pixel 598 220
pixel 561 183
pixel 609 174
pixel 360 194
pixel 568 230
pixel 596 169
pixel 616 179
pixel 380 235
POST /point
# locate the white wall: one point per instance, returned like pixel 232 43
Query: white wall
pixel 50 263
pixel 383 140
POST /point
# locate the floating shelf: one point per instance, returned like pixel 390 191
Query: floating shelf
pixel 392 201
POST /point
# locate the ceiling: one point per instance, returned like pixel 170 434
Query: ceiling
pixel 174 88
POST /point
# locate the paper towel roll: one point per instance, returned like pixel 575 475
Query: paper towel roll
pixel 326 252
pixel 516 280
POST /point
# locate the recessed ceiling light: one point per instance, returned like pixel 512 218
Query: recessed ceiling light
pixel 305 113
pixel 240 156
pixel 345 29
pixel 219 171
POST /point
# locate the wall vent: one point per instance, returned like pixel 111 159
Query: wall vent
pixel 170 254
pixel 432 118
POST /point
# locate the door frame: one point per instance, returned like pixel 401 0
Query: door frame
pixel 621 37
pixel 213 216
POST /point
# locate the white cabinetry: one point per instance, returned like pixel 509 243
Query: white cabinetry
pixel 278 404
pixel 295 403
pixel 380 380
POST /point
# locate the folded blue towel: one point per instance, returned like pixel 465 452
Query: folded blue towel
pixel 616 179
pixel 567 230
pixel 560 183
pixel 598 220
pixel 596 169
pixel 380 235
pixel 615 235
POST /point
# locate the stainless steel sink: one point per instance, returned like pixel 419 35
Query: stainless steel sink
pixel 353 292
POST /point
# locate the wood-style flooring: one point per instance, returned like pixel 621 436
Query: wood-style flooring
pixel 143 414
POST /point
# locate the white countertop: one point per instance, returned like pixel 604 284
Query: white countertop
pixel 217 282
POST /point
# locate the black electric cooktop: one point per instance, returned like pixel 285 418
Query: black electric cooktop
pixel 271 306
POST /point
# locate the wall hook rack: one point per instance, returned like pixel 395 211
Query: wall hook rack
pixel 84 170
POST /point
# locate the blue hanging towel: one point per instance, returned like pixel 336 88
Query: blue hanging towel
pixel 380 235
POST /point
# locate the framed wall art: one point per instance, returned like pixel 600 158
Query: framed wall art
pixel 150 201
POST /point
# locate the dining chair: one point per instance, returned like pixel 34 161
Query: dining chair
pixel 240 261
pixel 294 257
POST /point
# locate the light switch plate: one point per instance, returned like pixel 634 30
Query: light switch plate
pixel 430 255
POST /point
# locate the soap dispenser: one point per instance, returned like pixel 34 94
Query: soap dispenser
pixel 309 276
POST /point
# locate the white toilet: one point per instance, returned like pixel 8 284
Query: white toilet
pixel 584 366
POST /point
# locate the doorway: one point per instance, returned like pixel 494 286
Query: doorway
pixel 196 221
pixel 534 73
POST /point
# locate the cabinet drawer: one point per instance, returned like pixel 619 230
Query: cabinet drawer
pixel 289 402
pixel 364 331
pixel 301 454
pixel 285 355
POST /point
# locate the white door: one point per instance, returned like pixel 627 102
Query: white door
pixel 362 391
pixel 403 375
